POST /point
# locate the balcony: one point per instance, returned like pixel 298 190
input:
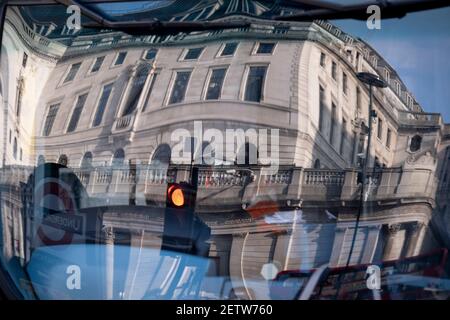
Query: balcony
pixel 419 119
pixel 233 188
pixel 125 122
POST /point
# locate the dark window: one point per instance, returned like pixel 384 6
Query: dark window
pixel 322 59
pixel 51 116
pixel 215 84
pixel 358 99
pixel 15 148
pixel 19 97
pixel 180 87
pixel 10 136
pixel 334 70
pixel 388 138
pixel 416 143
pixel 120 58
pixel 343 136
pixel 321 108
pixel 136 89
pixel 380 129
pixel 255 84
pixel 63 160
pixel 72 72
pixel 229 49
pixel 344 83
pixel 265 48
pixel 77 113
pixel 151 54
pixel 118 158
pixel 150 90
pixel 317 164
pixel 162 155
pixel 21 154
pixel 102 104
pixel 86 162
pixel 333 122
pixel 193 54
pixel 97 64
pixel 24 60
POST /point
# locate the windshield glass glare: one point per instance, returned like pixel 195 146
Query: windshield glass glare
pixel 277 159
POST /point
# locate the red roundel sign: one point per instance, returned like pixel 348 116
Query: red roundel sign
pixel 52 194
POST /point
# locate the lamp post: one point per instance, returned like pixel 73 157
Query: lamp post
pixel 372 80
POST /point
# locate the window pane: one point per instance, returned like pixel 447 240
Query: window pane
pixel 333 123
pixel 97 64
pixel 136 89
pixel 255 83
pixel 193 54
pixel 152 84
pixel 322 59
pixel 51 115
pixel 333 70
pixel 215 84
pixel 77 113
pixel 151 54
pixel 179 87
pixel 229 49
pixel 102 104
pixel 321 107
pixel 265 48
pixel 120 58
pixel 72 72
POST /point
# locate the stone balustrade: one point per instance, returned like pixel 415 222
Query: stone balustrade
pixel 233 187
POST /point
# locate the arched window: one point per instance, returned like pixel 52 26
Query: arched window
pixel 118 158
pixel 86 162
pixel 162 154
pixel 416 143
pixel 208 154
pixel 317 164
pixel 63 160
pixel 247 155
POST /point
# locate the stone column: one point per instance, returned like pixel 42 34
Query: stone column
pixel 109 262
pixel 414 244
pixel 390 240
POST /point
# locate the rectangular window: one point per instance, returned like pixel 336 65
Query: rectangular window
pixel 120 58
pixel 106 92
pixel 321 108
pixel 229 49
pixel 24 60
pixel 150 90
pixel 193 54
pixel 380 129
pixel 358 99
pixel 77 113
pixel 255 84
pixel 388 138
pixel 97 64
pixel 180 87
pixel 343 136
pixel 265 48
pixel 322 59
pixel 72 72
pixel 334 70
pixel 215 84
pixel 151 54
pixel 333 123
pixel 51 116
pixel 354 149
pixel 344 83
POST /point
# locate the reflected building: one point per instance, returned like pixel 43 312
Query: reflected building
pixel 106 104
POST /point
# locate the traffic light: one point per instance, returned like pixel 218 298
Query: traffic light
pixel 179 218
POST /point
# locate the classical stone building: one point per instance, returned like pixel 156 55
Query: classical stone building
pixel 106 104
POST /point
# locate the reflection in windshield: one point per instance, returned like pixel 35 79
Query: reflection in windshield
pixel 223 164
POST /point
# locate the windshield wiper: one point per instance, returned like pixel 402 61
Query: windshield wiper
pixel 389 9
pixel 153 26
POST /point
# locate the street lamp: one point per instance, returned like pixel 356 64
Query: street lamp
pixel 372 80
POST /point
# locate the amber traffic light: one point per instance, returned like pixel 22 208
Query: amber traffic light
pixel 175 195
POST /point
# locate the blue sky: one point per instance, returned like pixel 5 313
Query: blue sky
pixel 418 48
